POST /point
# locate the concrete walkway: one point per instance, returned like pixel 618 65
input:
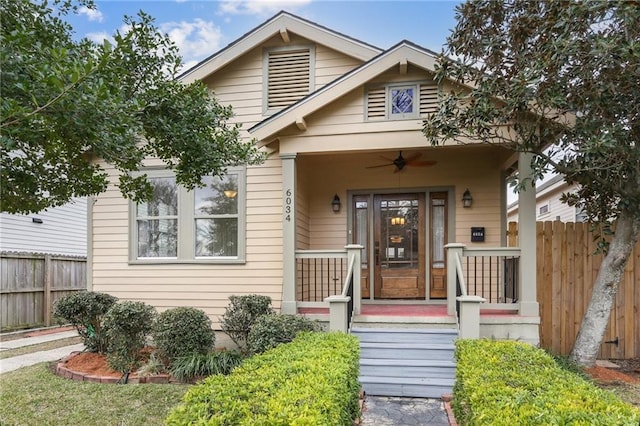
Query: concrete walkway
pixel 397 411
pixel 13 363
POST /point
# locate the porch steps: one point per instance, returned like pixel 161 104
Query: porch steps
pixel 412 362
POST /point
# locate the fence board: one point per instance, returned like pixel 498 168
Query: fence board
pixel 566 270
pixel 31 282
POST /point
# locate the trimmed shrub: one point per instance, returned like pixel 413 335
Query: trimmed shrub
pixel 513 383
pixel 127 325
pixel 197 365
pixel 241 314
pixel 85 311
pixel 270 331
pixel 310 381
pixel 180 332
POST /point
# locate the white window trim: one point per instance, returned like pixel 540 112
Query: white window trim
pixel 388 87
pixel 186 225
pixel 416 101
pixel 265 72
pixel 547 213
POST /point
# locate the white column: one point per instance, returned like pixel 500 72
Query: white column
pixel 354 251
pixel 527 239
pixel 453 249
pixel 288 234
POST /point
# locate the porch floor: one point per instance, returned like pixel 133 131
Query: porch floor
pixel 408 310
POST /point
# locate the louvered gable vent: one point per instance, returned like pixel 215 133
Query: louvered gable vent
pixel 289 77
pixel 376 103
pixel 428 98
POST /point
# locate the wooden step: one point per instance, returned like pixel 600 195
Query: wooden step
pixel 409 387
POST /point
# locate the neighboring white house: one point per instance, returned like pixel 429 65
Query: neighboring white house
pixel 548 203
pixel 59 230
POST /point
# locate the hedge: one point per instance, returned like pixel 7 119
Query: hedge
pixel 310 381
pixel 513 383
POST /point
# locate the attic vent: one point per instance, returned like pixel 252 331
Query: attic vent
pixel 428 98
pixel 376 103
pixel 289 77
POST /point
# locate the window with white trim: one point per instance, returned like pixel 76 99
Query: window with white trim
pixel 289 75
pixel 400 101
pixel 206 224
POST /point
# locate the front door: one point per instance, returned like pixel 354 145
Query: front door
pixel 399 246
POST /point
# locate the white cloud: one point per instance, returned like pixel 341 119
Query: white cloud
pixel 92 14
pixel 99 37
pixel 258 7
pixel 196 40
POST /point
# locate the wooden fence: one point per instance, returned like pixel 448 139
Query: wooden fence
pixel 30 284
pixel 567 267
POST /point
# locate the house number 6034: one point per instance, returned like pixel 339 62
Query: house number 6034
pixel 287 205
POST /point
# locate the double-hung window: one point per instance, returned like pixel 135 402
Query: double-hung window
pixel 176 225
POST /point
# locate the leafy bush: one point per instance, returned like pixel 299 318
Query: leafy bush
pixel 512 383
pixel 198 365
pixel 85 311
pixel 270 331
pixel 127 325
pixel 241 314
pixel 179 332
pixel 310 381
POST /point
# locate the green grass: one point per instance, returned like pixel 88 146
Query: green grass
pixel 55 344
pixel 35 396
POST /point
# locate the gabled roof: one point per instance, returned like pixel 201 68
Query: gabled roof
pixel 281 23
pixel 402 53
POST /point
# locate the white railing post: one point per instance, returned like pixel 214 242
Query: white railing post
pixel 469 320
pixel 354 252
pixel 338 312
pixel 453 251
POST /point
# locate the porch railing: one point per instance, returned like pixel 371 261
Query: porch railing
pixel 467 306
pixel 320 274
pixel 492 273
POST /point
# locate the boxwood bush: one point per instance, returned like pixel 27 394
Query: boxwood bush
pixel 310 381
pixel 240 315
pixel 513 383
pixel 85 311
pixel 270 331
pixel 181 332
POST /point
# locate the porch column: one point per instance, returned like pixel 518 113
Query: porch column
pixel 453 250
pixel 355 251
pixel 288 234
pixel 527 237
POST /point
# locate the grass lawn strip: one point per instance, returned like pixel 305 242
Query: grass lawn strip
pixel 33 395
pixel 55 344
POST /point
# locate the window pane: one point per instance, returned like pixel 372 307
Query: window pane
pixel 402 100
pixel 438 234
pixel 157 238
pixel 219 196
pixel 164 201
pixel 217 237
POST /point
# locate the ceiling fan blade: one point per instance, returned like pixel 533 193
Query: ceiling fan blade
pixel 421 163
pixel 414 157
pixel 380 165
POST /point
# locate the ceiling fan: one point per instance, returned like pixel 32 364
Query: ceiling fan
pixel 400 162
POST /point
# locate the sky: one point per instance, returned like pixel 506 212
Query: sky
pixel 201 28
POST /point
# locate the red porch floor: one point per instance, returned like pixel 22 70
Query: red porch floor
pixel 408 310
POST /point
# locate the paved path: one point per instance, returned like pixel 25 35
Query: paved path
pixel 396 411
pixel 13 363
pixel 27 341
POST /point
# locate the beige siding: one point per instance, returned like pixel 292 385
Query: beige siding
pixel 205 286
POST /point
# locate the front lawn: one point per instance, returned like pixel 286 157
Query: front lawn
pixel 35 396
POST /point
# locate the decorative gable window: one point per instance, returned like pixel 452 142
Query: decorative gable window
pixel 401 101
pixel 176 225
pixel 289 75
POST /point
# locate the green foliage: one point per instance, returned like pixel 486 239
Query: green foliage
pixel 198 365
pixel 127 325
pixel 512 383
pixel 310 381
pixel 85 311
pixel 270 331
pixel 241 314
pixel 65 102
pixel 183 331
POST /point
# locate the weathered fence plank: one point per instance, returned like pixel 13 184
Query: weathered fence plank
pixel 30 283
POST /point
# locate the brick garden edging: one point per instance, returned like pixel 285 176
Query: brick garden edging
pixel 62 371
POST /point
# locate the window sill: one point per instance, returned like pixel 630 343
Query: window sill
pixel 187 262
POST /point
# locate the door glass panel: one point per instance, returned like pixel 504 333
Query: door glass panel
pixel 399 234
pixel 361 220
pixel 438 215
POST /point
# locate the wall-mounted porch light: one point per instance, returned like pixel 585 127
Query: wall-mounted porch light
pixel 467 199
pixel 335 204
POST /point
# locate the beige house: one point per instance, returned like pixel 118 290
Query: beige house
pixel 549 205
pixel 352 203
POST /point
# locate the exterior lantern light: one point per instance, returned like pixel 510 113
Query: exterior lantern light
pixel 335 204
pixel 467 199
